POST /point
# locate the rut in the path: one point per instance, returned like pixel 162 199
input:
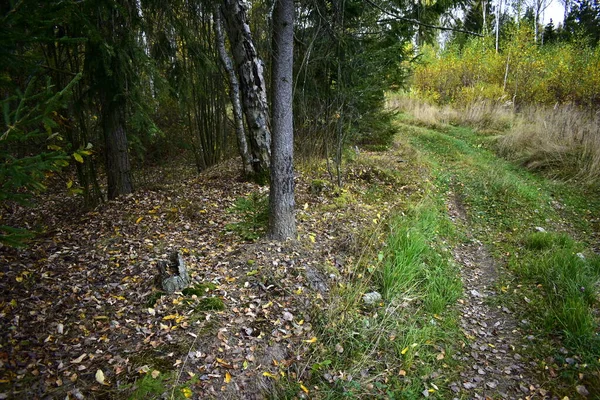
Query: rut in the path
pixel 495 365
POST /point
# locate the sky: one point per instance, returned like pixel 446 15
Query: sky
pixel 555 11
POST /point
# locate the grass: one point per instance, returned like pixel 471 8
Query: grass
pixel 553 267
pixel 560 141
pixel 399 347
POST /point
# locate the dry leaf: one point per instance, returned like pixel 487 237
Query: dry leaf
pixel 100 377
pixel 78 359
pixel 227 377
pixel 155 374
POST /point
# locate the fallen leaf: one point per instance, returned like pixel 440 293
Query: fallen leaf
pixel 100 377
pixel 404 350
pixel 304 389
pixel 227 377
pixel 187 392
pixel 155 374
pixel 78 359
pixel 311 340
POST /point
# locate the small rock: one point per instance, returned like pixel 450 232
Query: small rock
pixel 524 388
pixel 425 393
pixel 580 255
pixel 469 385
pixel 540 229
pixel 582 390
pixel 475 293
pixel 372 298
pixel 491 384
pixel 570 360
pixel 288 316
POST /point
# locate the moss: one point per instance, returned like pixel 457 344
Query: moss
pixel 210 304
pixel 199 290
pixel 154 298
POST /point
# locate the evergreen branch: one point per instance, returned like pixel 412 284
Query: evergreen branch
pixel 395 17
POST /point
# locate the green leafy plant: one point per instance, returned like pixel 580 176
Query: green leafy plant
pixel 253 214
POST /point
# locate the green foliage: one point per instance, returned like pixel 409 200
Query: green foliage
pixel 199 290
pixel 523 72
pixel 253 214
pixel 412 262
pixel 569 286
pixel 148 387
pixel 154 298
pixel 210 304
pixel 552 280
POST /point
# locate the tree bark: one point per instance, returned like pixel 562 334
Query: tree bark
pixel 118 169
pixel 282 221
pixel 234 94
pixel 253 88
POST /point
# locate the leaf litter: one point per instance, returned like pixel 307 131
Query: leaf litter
pixel 82 314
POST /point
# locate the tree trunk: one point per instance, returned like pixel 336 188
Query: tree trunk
pixel 282 222
pixel 234 94
pixel 253 89
pixel 118 170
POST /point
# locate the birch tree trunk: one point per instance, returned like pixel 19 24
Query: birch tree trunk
pixel 282 221
pixel 252 85
pixel 234 94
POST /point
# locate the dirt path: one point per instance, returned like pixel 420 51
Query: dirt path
pixel 495 364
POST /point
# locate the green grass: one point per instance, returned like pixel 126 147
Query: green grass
pixel 506 205
pixel 388 349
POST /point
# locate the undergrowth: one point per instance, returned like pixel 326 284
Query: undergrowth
pixel 560 141
pixel 253 216
pixel 538 229
pixel 400 347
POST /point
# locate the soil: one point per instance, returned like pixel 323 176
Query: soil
pixel 496 365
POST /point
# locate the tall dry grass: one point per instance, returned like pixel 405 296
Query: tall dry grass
pixel 562 141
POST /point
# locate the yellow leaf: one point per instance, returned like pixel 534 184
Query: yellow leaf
pixel 69 184
pixel 269 304
pixel 404 350
pixel 137 221
pixel 269 375
pixel 187 392
pixel 227 377
pixel 155 374
pixel 78 157
pixel 402 372
pixel 100 377
pixel 312 237
pixel 311 340
pixel 304 389
pixel 19 278
pixel 168 317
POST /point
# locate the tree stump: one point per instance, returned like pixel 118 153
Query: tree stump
pixel 172 274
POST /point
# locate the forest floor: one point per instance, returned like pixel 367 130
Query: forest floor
pixel 419 223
